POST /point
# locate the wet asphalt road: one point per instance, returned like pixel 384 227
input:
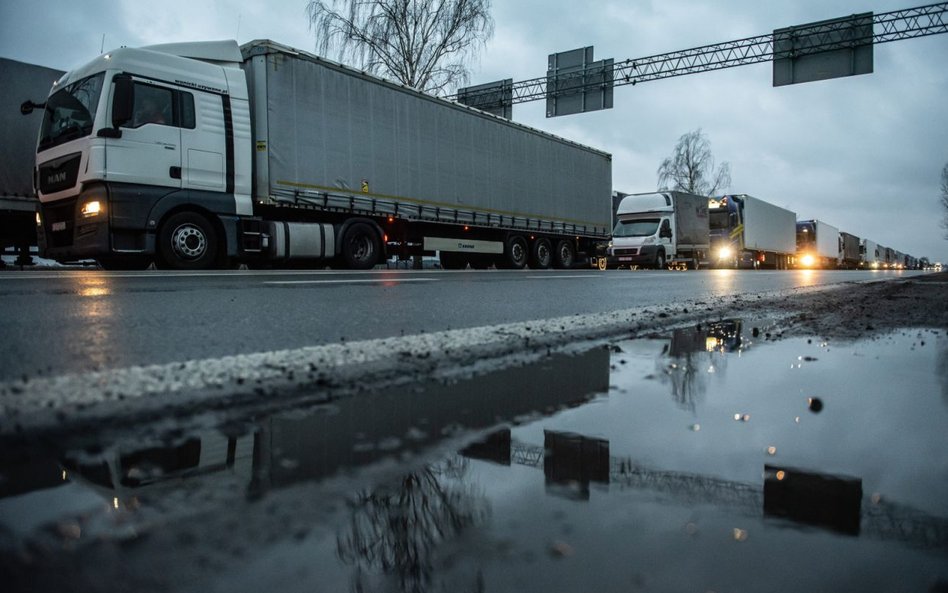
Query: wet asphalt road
pixel 56 322
pixel 700 460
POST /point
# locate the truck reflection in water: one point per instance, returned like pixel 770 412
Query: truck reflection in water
pixel 298 446
pixel 695 353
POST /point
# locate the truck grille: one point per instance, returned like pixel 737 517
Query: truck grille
pixel 629 251
pixel 59 174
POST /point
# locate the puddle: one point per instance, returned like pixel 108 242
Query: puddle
pixel 709 460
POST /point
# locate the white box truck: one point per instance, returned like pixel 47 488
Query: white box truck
pixel 818 245
pixel 747 232
pixel 660 229
pixel 207 154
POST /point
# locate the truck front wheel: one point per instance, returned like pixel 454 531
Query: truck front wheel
pixel 361 248
pixel 187 241
pixel 660 260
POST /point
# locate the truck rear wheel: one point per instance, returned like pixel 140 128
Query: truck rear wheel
pixel 565 255
pixel 361 249
pixel 515 253
pixel 187 241
pixel 541 254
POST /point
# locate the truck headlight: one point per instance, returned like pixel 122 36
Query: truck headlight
pixel 39 220
pixel 91 208
pixel 725 253
pixel 807 260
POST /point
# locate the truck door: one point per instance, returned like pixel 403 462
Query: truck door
pixel 203 141
pixel 148 152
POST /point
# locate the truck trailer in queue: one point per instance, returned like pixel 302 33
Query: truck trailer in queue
pixel 209 154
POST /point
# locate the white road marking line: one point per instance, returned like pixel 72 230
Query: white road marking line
pixel 354 281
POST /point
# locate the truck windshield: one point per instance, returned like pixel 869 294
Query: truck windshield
pixel 636 228
pixel 718 219
pixel 70 112
pixel 806 235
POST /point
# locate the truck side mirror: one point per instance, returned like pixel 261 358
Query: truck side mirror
pixel 123 100
pixel 27 107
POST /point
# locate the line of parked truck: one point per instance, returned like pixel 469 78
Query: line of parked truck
pixel 210 154
pixel 683 230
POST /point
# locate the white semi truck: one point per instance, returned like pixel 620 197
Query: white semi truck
pixel 747 232
pixel 660 229
pixel 818 245
pixel 199 155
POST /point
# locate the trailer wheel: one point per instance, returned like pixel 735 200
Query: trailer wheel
pixel 361 249
pixel 541 254
pixel 565 255
pixel 187 241
pixel 515 253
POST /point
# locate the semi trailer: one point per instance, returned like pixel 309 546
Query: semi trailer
pixel 817 245
pixel 18 203
pixel 747 232
pixel 660 229
pixel 849 256
pixel 210 154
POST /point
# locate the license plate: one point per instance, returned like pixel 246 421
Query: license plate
pixel 625 259
pixel 58 226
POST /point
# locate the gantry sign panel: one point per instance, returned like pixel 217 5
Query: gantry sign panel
pixel 493 97
pixel 577 84
pixel 822 50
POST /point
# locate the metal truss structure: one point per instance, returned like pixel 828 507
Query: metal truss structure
pixel 821 37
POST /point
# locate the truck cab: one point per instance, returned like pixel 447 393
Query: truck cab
pixel 143 143
pixel 726 224
pixel 644 232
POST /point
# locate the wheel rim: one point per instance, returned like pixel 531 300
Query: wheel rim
pixel 566 254
pixel 544 255
pixel 188 241
pixel 518 253
pixel 360 247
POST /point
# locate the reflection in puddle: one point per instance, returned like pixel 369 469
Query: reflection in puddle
pixel 553 476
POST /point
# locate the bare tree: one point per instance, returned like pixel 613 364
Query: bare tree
pixel 944 198
pixel 424 44
pixel 691 167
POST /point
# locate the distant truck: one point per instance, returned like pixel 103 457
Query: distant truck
pixel 746 232
pixel 817 245
pixel 872 256
pixel 200 155
pixel 661 229
pixel 18 203
pixel 849 255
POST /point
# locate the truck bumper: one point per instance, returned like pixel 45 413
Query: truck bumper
pixel 639 256
pixel 69 234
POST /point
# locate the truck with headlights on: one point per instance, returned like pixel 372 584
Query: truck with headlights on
pixel 818 245
pixel 747 232
pixel 210 154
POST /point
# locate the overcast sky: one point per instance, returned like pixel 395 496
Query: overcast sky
pixel 862 153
